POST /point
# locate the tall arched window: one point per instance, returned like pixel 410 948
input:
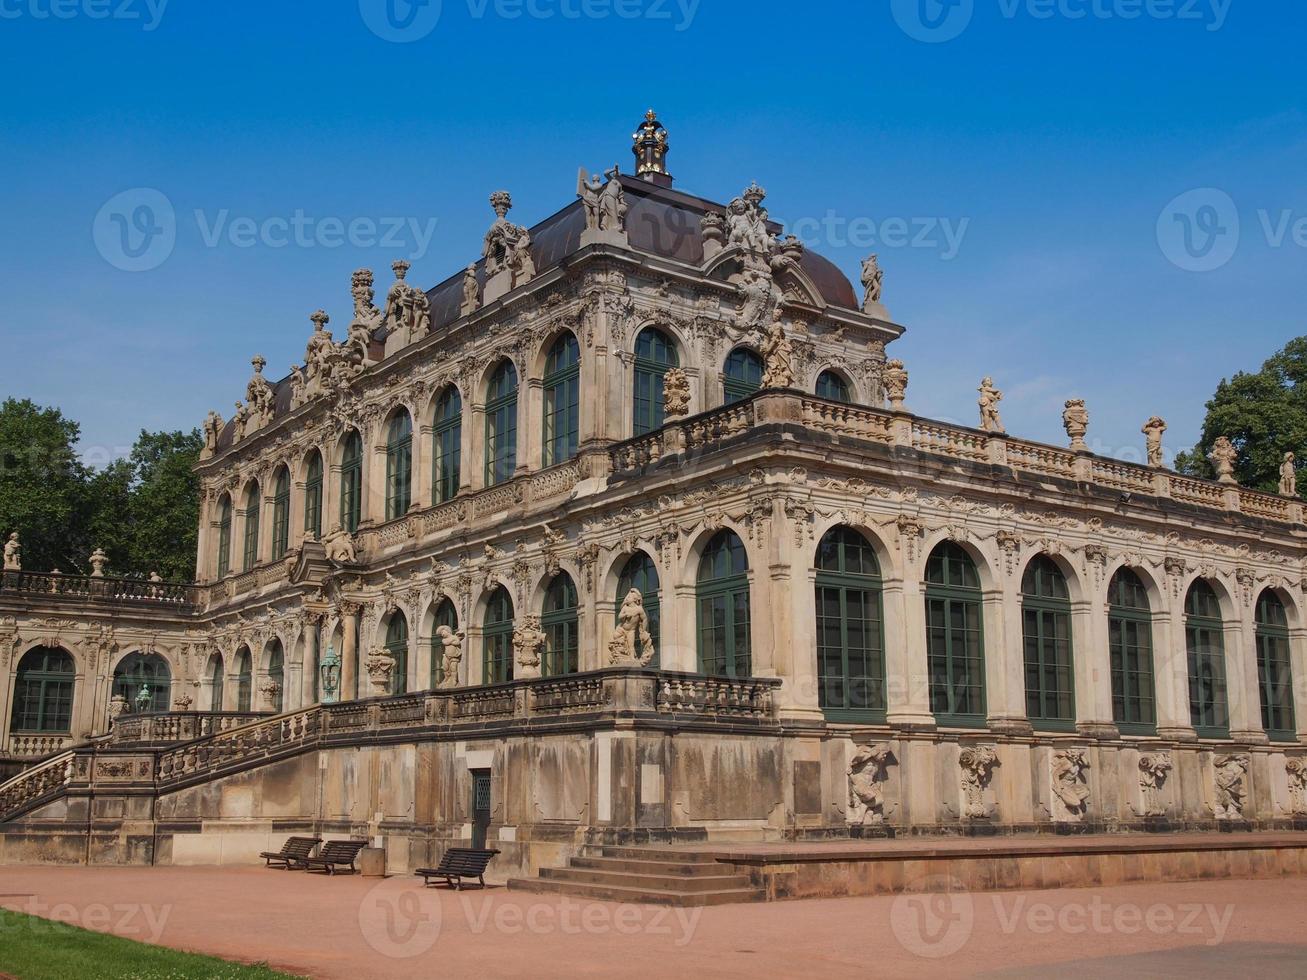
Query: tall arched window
pixel 654 355
pixel 850 628
pixel 144 681
pixel 722 593
pixel 447 446
pixel 446 615
pixel 397 647
pixel 217 682
pixel 313 497
pixel 1046 633
pixel 955 638
pixel 559 622
pixel 277 675
pixel 501 424
pixel 244 680
pixel 497 638
pixel 253 498
pixel 641 573
pixel 562 385
pixel 224 537
pixel 1274 673
pixel 831 385
pixel 281 514
pixel 399 466
pixel 351 483
pixel 1204 636
pixel 43 696
pixel 742 375
pixel 1130 647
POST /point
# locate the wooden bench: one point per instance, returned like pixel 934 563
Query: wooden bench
pixel 294 851
pixel 336 855
pixel 459 863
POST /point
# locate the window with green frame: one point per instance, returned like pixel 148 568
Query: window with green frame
pixel 1046 634
pixel 562 385
pixel 501 425
pixel 143 672
pixel 497 639
pixel 641 573
pixel 445 615
pixel 447 446
pixel 313 497
pixel 250 557
pixel 955 638
pixel 281 514
pixel 351 483
pixel 43 694
pixel 277 674
pixel 655 353
pixel 722 598
pixel 1274 672
pixel 224 537
pixel 1130 648
pixel 397 647
pixel 217 682
pixel 742 375
pixel 850 628
pixel 1204 636
pixel 558 620
pixel 244 680
pixel 399 465
pixel 831 385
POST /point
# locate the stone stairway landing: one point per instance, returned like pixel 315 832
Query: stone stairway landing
pixel 653 876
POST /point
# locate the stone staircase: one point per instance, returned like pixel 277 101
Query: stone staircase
pixel 646 875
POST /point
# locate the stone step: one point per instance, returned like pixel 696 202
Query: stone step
pixel 640 866
pixel 645 882
pixel 657 854
pixel 637 896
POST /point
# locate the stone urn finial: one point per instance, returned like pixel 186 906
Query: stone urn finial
pixel 1075 419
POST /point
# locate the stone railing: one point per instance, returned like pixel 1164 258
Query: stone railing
pixel 178 726
pixel 36 746
pixel 36 783
pixel 87 588
pixel 691 694
pixel 694 434
pixel 837 418
pixel 240 746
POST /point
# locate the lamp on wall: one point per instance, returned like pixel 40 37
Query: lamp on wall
pixel 330 675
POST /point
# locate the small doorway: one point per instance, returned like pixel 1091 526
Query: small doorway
pixel 480 807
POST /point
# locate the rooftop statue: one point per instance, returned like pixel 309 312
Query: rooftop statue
pixel 990 396
pixel 873 284
pixel 631 643
pixel 1223 457
pixel 1153 430
pixel 408 310
pixel 13 554
pixel 778 355
pixel 1289 476
pixel 471 291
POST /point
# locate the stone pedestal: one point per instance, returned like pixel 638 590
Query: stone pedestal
pixel 372 862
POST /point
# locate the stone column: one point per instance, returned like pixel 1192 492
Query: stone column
pixel 530 425
pixel 373 510
pixel 1298 677
pixel 204 562
pixel 349 656
pixel 1091 663
pixel 1242 684
pixel 1171 670
pixel 1005 677
pixel 786 596
pixel 423 454
pixel 474 447
pixel 266 499
pixel 907 672
pixel 680 649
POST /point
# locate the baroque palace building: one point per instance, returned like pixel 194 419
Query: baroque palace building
pixel 625 532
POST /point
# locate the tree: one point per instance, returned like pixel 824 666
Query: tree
pixel 164 509
pixel 1264 414
pixel 42 485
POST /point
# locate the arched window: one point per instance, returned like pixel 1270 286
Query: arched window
pixel 399 466
pixel 955 638
pixel 397 647
pixel 351 483
pixel 1130 647
pixel 501 424
pixel 654 354
pixel 1274 673
pixel 224 537
pixel 313 497
pixel 1046 632
pixel 43 696
pixel 562 649
pixel 725 647
pixel 277 675
pixel 447 446
pixel 641 573
pixel 244 680
pixel 742 375
pixel 831 385
pixel 281 514
pixel 497 639
pixel 562 385
pixel 144 681
pixel 1204 637
pixel 217 681
pixel 850 628
pixel 250 558
pixel 446 615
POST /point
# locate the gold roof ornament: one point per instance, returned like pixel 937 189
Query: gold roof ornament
pixel 650 149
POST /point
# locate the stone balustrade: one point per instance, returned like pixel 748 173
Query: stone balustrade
pixel 82 589
pixel 178 726
pixel 33 785
pixel 36 746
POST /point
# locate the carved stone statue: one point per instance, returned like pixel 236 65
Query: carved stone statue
pixel 1289 476
pixel 13 554
pixel 408 310
pixel 471 292
pixel 341 547
pixel 631 643
pixel 259 395
pixel 1153 769
pixel 760 298
pixel 528 642
pixel 990 396
pixel 269 690
pixel 1153 430
pixel 604 201
pixel 298 386
pixel 507 250
pixel 367 318
pixel 380 665
pixel 713 226
pixel 977 762
pixel 520 260
pixel 239 421
pixel 451 655
pixel 1231 790
pixel 183 702
pixel 676 394
pixel 867 772
pixel 98 561
pixel 1069 784
pixel 1075 419
pixel 746 222
pixel 588 190
pixel 1223 457
pixel 778 356
pixel 212 430
pixel 895 378
pixel 117 707
pixel 873 284
pixel 1295 768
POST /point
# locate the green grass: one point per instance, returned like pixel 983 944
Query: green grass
pixel 37 949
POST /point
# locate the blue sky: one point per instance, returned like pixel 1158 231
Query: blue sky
pixel 1050 144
